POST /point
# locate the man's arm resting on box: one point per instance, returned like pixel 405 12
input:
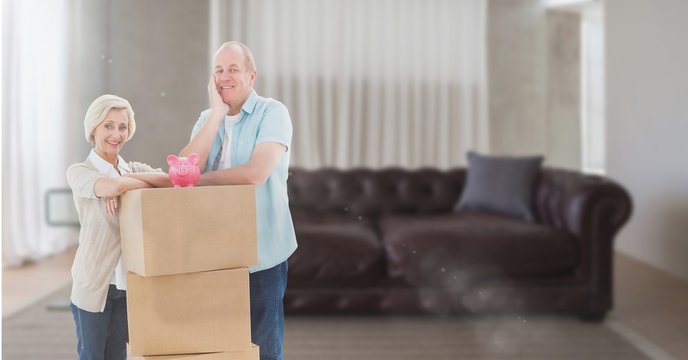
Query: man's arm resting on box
pixel 203 139
pixel 263 160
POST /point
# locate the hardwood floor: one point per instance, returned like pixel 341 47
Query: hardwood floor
pixel 652 304
pixel 651 307
pixel 28 284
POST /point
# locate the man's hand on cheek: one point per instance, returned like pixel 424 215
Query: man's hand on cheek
pixel 216 102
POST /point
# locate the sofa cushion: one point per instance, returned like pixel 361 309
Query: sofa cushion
pixel 442 250
pixel 336 253
pixel 500 184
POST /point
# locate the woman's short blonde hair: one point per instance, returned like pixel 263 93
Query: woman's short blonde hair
pixel 100 108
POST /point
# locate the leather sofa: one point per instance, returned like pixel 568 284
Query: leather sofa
pixel 389 241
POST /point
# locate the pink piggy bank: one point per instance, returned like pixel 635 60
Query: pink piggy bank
pixel 184 171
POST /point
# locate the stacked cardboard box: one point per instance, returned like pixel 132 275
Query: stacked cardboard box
pixel 188 251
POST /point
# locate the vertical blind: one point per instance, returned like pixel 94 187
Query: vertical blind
pixel 34 116
pixel 371 83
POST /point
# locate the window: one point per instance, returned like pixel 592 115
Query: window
pixel 592 91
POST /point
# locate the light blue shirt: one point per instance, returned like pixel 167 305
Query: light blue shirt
pixel 262 120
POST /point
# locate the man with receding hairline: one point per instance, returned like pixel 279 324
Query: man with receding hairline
pixel 245 138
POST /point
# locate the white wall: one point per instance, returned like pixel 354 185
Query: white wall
pixel 534 86
pixel 159 53
pixel 153 53
pixel 647 138
pixel 88 70
pixel 517 60
pixel 563 116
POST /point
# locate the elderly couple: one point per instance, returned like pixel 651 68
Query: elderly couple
pixel 258 129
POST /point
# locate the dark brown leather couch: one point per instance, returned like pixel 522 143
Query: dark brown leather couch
pixel 389 241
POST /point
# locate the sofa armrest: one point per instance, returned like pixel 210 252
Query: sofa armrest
pixel 584 205
pixel 593 208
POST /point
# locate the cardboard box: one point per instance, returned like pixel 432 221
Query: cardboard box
pixel 251 354
pixel 189 313
pixel 183 230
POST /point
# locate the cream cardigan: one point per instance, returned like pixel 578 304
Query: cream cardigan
pixel 99 239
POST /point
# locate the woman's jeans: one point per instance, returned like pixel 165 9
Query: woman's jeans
pixel 267 310
pixel 103 335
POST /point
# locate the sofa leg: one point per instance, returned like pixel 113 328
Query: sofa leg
pixel 592 315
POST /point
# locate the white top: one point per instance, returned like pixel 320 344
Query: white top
pixel 119 276
pixel 226 157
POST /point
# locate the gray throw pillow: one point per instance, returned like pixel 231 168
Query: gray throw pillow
pixel 500 184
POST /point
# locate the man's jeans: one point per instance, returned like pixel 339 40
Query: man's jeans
pixel 267 310
pixel 102 336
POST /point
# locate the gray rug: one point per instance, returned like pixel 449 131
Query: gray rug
pixel 46 331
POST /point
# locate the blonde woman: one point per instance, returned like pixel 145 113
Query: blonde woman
pixel 99 280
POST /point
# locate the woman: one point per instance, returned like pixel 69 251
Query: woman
pixel 99 280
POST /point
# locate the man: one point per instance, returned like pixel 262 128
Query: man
pixel 244 138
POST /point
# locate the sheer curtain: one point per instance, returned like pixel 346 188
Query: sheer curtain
pixel 35 64
pixel 369 82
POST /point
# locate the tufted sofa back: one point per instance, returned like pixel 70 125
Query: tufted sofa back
pixel 366 193
pixel 561 197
